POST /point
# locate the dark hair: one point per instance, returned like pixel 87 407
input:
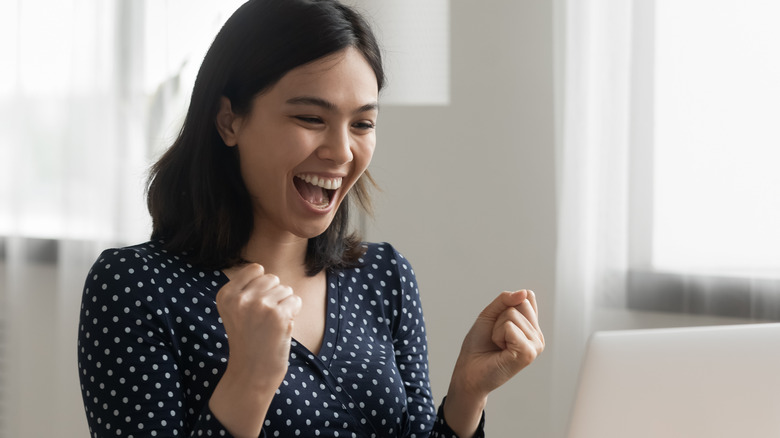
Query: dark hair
pixel 196 196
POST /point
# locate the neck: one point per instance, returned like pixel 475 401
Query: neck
pixel 283 256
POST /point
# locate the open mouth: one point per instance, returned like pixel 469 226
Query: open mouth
pixel 315 190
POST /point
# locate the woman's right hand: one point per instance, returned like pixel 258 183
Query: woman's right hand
pixel 258 313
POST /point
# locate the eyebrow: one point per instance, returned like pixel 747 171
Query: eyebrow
pixel 320 102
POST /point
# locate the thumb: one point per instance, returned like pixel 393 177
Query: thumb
pixel 502 302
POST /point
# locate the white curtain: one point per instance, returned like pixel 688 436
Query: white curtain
pixel 90 92
pixel 614 61
pixel 594 64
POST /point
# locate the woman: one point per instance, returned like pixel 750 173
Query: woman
pixel 253 311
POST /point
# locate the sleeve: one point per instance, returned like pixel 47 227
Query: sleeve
pixel 130 381
pixel 411 353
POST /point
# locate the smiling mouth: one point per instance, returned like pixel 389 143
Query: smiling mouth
pixel 315 190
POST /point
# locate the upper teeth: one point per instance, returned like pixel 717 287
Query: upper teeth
pixel 325 183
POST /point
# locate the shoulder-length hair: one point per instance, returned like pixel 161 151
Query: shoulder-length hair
pixel 196 196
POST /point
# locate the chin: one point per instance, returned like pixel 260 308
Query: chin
pixel 310 232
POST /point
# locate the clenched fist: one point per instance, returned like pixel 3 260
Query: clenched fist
pixel 258 314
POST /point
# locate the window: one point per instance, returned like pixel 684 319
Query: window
pixel 92 92
pixel 705 216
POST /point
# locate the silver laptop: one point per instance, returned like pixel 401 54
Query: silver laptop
pixel 721 381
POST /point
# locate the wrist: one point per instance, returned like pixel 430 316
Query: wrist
pixel 240 402
pixel 250 381
pixel 463 408
pixel 465 383
pixel 463 416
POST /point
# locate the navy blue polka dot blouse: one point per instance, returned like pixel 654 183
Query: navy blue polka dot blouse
pixel 152 347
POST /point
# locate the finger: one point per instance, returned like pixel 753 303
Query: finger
pixel 527 310
pixel 233 288
pixel 246 274
pixel 532 299
pixel 275 295
pixel 501 302
pixel 515 342
pixel 523 350
pixel 516 318
pixel 262 283
pixel 291 305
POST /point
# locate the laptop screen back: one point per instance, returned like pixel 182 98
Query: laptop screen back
pixel 720 381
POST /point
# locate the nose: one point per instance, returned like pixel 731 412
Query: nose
pixel 337 146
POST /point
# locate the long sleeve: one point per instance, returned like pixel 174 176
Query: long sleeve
pixel 132 382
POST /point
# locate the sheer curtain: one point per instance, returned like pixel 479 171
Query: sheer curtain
pixel 90 92
pixel 664 153
pixel 594 65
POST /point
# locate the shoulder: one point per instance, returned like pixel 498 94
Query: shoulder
pixel 148 258
pixel 141 254
pixel 389 279
pixel 383 266
pixel 383 254
pixel 146 267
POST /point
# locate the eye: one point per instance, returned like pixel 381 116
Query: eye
pixel 364 125
pixel 312 120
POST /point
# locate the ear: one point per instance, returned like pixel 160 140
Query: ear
pixel 227 122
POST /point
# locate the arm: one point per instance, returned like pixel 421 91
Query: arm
pixel 134 380
pixel 258 316
pixel 504 339
pixel 130 380
pixel 411 350
pixel 411 353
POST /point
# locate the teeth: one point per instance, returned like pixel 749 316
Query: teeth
pixel 325 183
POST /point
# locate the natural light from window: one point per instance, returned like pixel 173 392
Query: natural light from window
pixel 717 137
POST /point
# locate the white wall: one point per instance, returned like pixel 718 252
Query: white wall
pixel 468 190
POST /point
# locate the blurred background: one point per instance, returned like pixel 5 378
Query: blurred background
pixel 617 157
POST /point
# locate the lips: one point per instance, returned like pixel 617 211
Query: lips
pixel 317 190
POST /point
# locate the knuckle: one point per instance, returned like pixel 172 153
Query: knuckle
pixel 265 303
pixel 254 269
pixel 224 296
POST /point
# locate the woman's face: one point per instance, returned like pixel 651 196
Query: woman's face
pixel 306 142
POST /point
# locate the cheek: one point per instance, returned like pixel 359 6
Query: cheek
pixel 260 172
pixel 363 154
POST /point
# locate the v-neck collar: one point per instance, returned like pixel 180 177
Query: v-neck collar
pixel 332 319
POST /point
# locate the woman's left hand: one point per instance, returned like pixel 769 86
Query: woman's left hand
pixel 505 338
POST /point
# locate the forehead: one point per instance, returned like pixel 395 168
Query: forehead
pixel 342 77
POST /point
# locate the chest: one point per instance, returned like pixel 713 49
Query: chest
pixel 309 327
pixel 353 383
